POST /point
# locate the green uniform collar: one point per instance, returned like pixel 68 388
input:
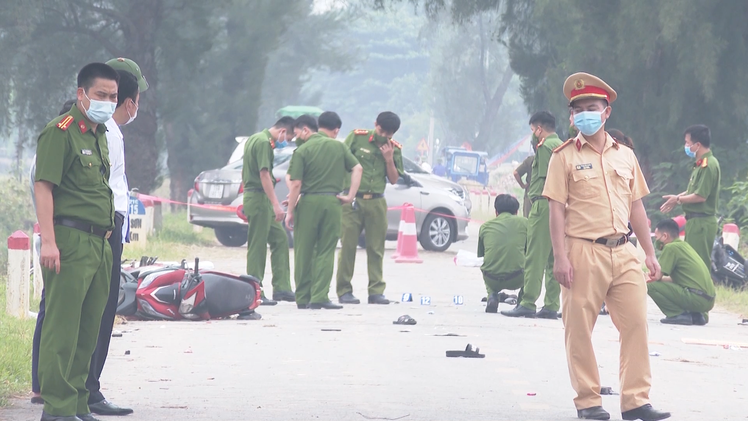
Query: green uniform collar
pixel 82 123
pixel 504 215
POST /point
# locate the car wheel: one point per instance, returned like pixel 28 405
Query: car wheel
pixel 231 236
pixel 436 233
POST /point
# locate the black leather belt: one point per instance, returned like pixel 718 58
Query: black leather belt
pixel 319 194
pixel 82 226
pixel 690 215
pixel 504 276
pixel 367 196
pixel 254 190
pixel 700 293
pixel 536 198
pixel 610 242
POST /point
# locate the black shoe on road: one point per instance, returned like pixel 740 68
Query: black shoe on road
pixel 249 315
pixel 520 311
pixel 378 299
pixel 348 298
pixel 302 306
pixel 265 301
pixel 684 319
pixel 47 417
pixel 594 413
pixel 492 305
pixel 107 408
pixel 645 413
pixel 546 314
pixel 327 306
pixel 699 319
pixel 284 296
pixel 87 417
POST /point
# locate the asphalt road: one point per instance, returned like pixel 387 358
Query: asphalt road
pixel 354 364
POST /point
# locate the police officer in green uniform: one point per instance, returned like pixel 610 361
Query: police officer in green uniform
pixel 525 170
pixel 539 260
pixel 702 196
pixel 501 243
pixel 685 291
pixel 75 210
pixel 320 166
pixel 382 161
pixel 264 212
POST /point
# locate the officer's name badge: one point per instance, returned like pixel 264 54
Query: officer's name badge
pixel 86 152
pixel 365 150
pixel 584 167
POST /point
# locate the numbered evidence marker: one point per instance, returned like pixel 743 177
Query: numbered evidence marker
pixel 458 300
pixel 407 298
pixel 425 301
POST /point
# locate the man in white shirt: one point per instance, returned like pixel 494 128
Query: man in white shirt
pixel 130 85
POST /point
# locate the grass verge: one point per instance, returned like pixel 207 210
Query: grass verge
pixel 735 301
pixel 173 240
pixel 15 352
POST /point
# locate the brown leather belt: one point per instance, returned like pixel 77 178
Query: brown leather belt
pixel 82 226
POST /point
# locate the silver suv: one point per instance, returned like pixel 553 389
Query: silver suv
pixel 443 207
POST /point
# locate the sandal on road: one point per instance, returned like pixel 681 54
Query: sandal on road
pixel 404 320
pixel 467 353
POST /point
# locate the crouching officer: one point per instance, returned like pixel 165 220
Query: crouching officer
pixel 75 210
pixel 501 243
pixel 382 161
pixel 685 291
pixel 319 168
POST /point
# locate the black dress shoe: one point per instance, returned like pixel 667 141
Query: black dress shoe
pixel 348 298
pixel 492 305
pixel 594 413
pixel 87 417
pixel 47 417
pixel 248 315
pixel 698 319
pixel 520 311
pixel 302 306
pixel 265 301
pixel 327 306
pixel 378 299
pixel 546 314
pixel 107 408
pixel 37 400
pixel 645 413
pixel 684 319
pixel 284 296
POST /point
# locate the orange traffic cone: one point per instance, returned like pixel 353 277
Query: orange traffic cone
pixel 408 244
pixel 399 250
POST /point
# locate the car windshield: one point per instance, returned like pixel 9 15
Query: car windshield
pixel 281 156
pixel 411 167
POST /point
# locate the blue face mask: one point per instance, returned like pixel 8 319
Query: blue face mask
pixel 100 112
pixel 689 152
pixel 589 122
pixel 281 144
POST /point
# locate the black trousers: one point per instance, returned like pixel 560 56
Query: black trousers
pixel 107 323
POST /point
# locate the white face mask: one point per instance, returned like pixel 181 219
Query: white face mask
pixel 134 116
pixel 99 112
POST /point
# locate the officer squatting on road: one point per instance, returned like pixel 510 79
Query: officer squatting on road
pixel 320 165
pixel 590 179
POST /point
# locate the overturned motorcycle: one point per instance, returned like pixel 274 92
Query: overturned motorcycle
pixel 728 267
pixel 155 291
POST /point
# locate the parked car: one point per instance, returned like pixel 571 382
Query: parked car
pixel 442 217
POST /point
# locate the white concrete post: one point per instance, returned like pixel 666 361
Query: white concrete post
pixel 731 235
pixel 17 294
pixel 38 280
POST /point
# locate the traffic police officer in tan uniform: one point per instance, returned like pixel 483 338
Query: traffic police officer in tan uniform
pixel 595 187
pixel 382 160
pixel 75 210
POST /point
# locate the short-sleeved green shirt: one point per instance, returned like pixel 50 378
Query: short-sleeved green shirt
pixel 75 158
pixel 501 243
pixel 540 165
pixel 258 156
pixel 680 261
pixel 321 164
pixel 525 170
pixel 705 181
pixel 364 146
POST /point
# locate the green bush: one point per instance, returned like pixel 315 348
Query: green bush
pixel 16 213
pixel 737 207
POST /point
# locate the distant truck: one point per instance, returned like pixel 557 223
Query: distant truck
pixel 464 164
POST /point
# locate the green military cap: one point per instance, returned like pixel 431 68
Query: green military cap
pixel 129 66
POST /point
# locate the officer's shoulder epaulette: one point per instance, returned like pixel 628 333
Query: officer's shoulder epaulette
pixel 65 122
pixel 397 144
pixel 563 145
pixel 360 132
pixel 540 142
pixel 704 164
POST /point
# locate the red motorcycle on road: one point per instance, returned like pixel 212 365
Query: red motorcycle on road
pixel 176 292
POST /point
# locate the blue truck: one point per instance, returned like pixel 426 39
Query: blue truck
pixel 465 164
